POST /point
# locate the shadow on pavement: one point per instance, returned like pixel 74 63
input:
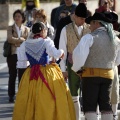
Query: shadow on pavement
pixel 4 75
pixel 6 112
pixel 6 108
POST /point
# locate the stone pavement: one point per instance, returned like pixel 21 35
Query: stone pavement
pixel 3 34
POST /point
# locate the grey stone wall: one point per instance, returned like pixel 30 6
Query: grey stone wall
pixel 3 16
pixel 7 10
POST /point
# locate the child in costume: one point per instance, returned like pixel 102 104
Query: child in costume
pixel 42 94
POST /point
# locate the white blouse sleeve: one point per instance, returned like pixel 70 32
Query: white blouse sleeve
pixel 63 45
pixel 81 52
pixel 21 56
pixel 21 52
pixel 51 50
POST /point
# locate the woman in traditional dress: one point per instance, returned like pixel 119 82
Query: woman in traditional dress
pixel 42 94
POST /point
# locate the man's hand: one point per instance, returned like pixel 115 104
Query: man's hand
pixel 65 75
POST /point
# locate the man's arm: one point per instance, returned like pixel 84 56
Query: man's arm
pixel 81 52
pixel 63 46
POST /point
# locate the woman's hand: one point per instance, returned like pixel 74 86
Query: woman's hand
pixel 62 56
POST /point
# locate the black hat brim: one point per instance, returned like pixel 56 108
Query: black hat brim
pixel 98 16
pixel 88 20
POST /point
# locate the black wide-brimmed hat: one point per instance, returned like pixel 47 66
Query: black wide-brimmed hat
pixel 98 16
pixel 112 16
pixel 81 10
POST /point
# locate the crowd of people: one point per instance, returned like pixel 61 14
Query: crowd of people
pixel 78 54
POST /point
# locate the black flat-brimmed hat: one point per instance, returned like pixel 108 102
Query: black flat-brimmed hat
pixel 98 16
pixel 81 10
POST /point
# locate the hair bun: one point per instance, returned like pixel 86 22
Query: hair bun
pixel 38 27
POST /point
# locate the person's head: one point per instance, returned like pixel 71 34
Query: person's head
pixel 107 4
pixel 80 14
pixel 34 10
pixel 39 28
pixel 41 16
pixel 83 1
pixel 19 16
pixel 94 24
pixel 95 21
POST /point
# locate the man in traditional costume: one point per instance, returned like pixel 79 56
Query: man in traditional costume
pixel 98 52
pixel 69 38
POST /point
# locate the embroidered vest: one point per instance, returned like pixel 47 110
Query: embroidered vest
pixel 103 52
pixel 73 37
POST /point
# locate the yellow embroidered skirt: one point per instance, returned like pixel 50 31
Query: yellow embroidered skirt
pixel 35 102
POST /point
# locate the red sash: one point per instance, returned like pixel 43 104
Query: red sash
pixel 35 73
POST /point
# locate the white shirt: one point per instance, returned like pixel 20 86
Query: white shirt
pixel 24 63
pixel 63 45
pixel 81 52
pixel 18 31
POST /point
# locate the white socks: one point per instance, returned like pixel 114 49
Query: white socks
pixel 77 106
pixel 114 108
pixel 91 116
pixel 106 116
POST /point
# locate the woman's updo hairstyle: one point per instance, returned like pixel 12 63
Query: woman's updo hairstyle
pixel 38 27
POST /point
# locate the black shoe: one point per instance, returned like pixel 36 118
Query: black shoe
pixel 11 100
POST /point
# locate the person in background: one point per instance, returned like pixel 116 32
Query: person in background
pixel 112 2
pixel 54 11
pixel 16 34
pixel 97 54
pixel 69 5
pixel 42 17
pixel 29 5
pixel 105 6
pixel 42 94
pixel 62 23
pixel 69 38
pixel 31 22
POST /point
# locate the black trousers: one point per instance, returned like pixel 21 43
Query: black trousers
pixel 96 91
pixel 20 73
pixel 12 61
